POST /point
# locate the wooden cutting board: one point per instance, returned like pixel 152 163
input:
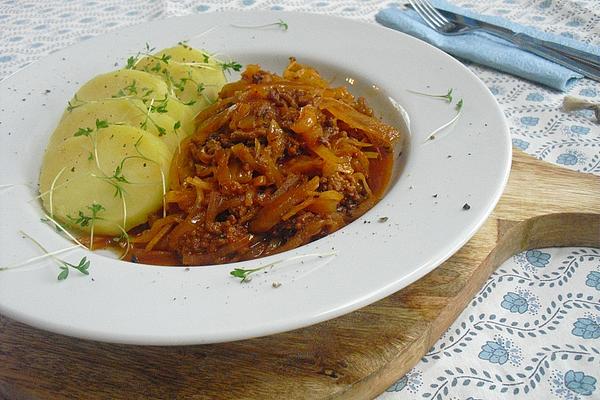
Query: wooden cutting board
pixel 356 356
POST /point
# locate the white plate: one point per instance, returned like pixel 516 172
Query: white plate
pixel 132 303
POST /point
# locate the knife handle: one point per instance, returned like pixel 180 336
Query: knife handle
pixel 585 67
pixel 583 56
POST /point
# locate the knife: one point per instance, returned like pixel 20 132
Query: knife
pixel 580 61
pixel 519 38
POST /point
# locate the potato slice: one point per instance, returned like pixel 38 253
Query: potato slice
pixel 121 111
pixel 139 85
pixel 185 54
pixel 143 159
pixel 202 62
pixel 124 82
pixel 191 75
pixel 179 112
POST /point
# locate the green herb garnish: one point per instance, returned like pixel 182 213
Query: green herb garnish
pixel 91 134
pixel 459 105
pixel 75 104
pixel 458 108
pixel 131 62
pixel 245 274
pixel 83 132
pixel 160 108
pixel 83 266
pixel 232 65
pixel 447 96
pixel 101 123
pixel 281 24
pixel 84 220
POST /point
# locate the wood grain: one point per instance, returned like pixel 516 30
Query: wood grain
pixel 356 356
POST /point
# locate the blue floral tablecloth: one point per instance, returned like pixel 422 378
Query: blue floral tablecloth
pixel 533 331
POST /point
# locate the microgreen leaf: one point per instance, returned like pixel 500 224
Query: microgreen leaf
pixel 233 65
pixel 82 220
pixel 448 96
pixel 132 88
pixel 64 273
pixel 156 67
pixel 239 272
pixel 120 93
pixel 147 92
pixel 165 58
pixel 161 106
pixel 96 208
pixel 118 175
pixel 101 123
pixel 131 61
pixel 83 266
pixel 459 105
pixel 244 274
pixel 84 132
pixel 129 90
pixel 282 24
pixel 75 104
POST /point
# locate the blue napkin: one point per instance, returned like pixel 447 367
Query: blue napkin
pixel 489 50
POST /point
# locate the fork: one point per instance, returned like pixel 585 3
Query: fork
pixel 574 59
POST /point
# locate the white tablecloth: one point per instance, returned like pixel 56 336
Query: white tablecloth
pixel 533 331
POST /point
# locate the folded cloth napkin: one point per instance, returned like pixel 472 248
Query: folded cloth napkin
pixel 488 50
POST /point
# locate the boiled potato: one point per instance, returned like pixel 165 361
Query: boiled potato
pixel 200 61
pixel 141 85
pixel 186 54
pixel 124 82
pixel 192 76
pixel 212 74
pixel 116 139
pixel 120 111
pixel 86 180
pixel 180 112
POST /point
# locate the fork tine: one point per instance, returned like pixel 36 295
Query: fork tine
pixel 427 8
pixel 417 8
pixel 435 12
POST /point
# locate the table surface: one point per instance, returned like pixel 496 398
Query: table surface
pixel 526 290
